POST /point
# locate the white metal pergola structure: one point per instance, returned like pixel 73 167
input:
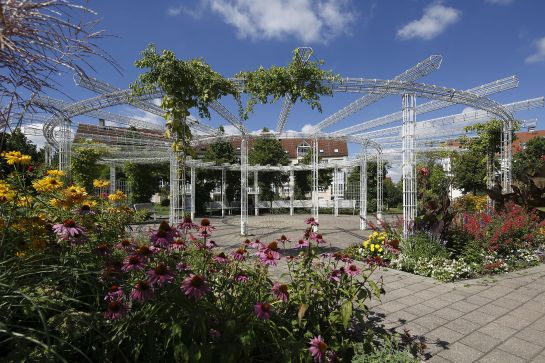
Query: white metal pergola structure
pixel 408 138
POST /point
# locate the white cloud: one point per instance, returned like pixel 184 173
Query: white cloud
pixel 307 129
pixel 539 55
pixel 436 18
pixel 500 2
pixel 306 20
pixel 231 130
pixel 195 13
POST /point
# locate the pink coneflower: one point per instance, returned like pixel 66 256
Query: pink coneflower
pixel 339 256
pixel 125 245
pixel 336 275
pixel 302 243
pixel 204 233
pixel 257 244
pixel 283 239
pixel 187 224
pixel 161 239
pixel 269 258
pixel 240 254
pixel 205 226
pixel 177 245
pixel 317 237
pixel 263 310
pixel 116 309
pixel 280 291
pixel 68 229
pixel 160 274
pixel 247 242
pixel 182 266
pixel 85 210
pixel 311 221
pixel 241 277
pixel 133 263
pixel 146 251
pixel 221 258
pixel 142 291
pixel 273 246
pixel 211 244
pixel 115 292
pixel 318 348
pixel 195 286
pixel 353 270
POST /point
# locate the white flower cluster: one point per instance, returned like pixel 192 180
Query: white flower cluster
pixel 439 268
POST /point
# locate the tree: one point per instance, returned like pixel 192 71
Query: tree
pixel 143 180
pixel 38 40
pixel 393 193
pixel 220 152
pixel 85 167
pixel 17 141
pixel 469 170
pixel 303 178
pixel 354 179
pixel 268 151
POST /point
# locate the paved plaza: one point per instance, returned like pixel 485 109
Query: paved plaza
pixel 493 319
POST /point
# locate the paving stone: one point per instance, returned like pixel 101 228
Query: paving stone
pixel 463 326
pixel 532 305
pixel 498 331
pixel 478 300
pixel 438 359
pixel 419 310
pixel 507 303
pixel 499 356
pixel 437 303
pixel 464 306
pixel 538 325
pixel 520 347
pixel 392 306
pixel 479 317
pixel 512 321
pixel 444 334
pixel 492 309
pixel 492 293
pixel 448 313
pixel 480 341
pixel 430 321
pixel 529 315
pixel 461 353
pixel 532 336
pixel 515 295
pixel 453 296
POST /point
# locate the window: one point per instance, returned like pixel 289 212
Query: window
pixel 302 150
pixel 335 150
pixel 321 150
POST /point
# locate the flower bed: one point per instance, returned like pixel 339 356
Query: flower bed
pixel 477 244
pixel 77 286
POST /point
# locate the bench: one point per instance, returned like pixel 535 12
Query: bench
pixel 149 207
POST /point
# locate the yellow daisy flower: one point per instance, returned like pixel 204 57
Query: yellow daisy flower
pixel 101 183
pixel 47 184
pixel 117 196
pixel 16 157
pixel 55 173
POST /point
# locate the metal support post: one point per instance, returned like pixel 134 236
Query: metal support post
pixel 256 193
pixel 65 146
pixel 244 185
pixel 223 171
pixel 363 188
pixel 292 191
pixel 315 206
pixel 380 186
pixel 409 163
pixel 112 179
pixel 336 190
pixel 507 157
pixel 193 177
pixel 174 210
pixel 489 179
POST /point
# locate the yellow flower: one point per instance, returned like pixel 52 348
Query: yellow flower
pixel 25 201
pixel 89 203
pixel 75 194
pixel 117 196
pixel 20 254
pixel 372 248
pixel 15 157
pixel 101 183
pixel 55 173
pixel 47 184
pixel 6 193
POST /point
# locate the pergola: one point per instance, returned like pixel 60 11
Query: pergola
pixel 377 135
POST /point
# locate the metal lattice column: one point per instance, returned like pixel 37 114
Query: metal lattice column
pixel 507 156
pixel 112 179
pixel 193 177
pixel 315 206
pixel 363 189
pixel 223 172
pixel 256 193
pixel 174 212
pixel 244 185
pixel 409 162
pixel 65 146
pixel 380 186
pixel 48 154
pixel 292 191
pixel 336 190
pixel 489 178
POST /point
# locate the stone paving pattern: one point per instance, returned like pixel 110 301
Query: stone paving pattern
pixel 495 319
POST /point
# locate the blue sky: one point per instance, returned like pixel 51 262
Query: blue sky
pixel 480 41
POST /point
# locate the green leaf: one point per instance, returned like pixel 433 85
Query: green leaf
pixel 346 313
